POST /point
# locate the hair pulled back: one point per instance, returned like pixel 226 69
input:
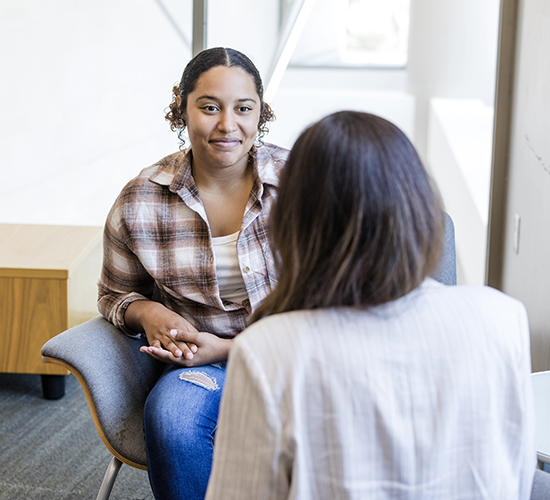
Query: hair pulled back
pixel 357 221
pixel 202 62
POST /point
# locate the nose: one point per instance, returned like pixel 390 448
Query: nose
pixel 226 123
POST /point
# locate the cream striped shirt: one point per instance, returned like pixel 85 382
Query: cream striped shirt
pixel 428 397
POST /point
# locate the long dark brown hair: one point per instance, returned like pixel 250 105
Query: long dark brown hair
pixel 357 221
pixel 202 62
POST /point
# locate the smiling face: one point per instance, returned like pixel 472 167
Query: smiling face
pixel 222 118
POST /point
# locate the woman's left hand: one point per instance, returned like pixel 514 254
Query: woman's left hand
pixel 210 349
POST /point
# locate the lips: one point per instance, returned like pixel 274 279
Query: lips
pixel 225 144
pixel 225 140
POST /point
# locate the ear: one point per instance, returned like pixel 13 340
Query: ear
pixel 178 104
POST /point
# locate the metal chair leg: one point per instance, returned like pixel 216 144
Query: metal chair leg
pixel 109 479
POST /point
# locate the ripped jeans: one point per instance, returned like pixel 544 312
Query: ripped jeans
pixel 180 419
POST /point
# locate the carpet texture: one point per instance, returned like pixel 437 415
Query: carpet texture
pixel 50 450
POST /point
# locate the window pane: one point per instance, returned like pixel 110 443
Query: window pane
pixel 376 33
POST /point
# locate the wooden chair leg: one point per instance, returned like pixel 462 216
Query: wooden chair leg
pixel 109 479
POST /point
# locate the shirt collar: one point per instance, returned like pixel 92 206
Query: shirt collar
pixel 175 170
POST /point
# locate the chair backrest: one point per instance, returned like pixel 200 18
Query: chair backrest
pixel 446 272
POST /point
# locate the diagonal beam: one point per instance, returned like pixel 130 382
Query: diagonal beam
pixel 294 25
pixel 174 24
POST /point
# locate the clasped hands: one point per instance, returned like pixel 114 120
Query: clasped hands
pixel 186 348
pixel 172 339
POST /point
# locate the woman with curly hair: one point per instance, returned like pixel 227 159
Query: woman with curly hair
pixel 192 229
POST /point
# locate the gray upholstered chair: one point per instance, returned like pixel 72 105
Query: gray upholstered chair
pixel 117 378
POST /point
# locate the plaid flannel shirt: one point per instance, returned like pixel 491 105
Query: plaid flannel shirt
pixel 157 233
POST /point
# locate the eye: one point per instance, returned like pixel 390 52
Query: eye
pixel 210 108
pixel 244 109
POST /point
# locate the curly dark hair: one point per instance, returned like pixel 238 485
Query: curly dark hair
pixel 202 62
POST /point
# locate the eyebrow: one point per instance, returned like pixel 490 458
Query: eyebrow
pixel 214 98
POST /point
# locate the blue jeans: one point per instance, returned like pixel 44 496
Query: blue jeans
pixel 180 420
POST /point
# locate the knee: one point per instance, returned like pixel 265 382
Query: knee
pixel 182 415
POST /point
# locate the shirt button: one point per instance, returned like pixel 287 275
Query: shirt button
pixel 246 269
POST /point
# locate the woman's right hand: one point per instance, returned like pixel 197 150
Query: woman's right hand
pixel 158 322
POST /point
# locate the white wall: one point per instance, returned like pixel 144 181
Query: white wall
pixel 82 104
pixel 299 107
pixel 452 54
pixel 84 89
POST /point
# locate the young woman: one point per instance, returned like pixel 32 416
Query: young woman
pixel 360 377
pixel 193 228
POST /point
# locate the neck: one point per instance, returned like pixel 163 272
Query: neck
pixel 221 179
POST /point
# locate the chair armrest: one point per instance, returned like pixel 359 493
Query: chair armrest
pixel 116 379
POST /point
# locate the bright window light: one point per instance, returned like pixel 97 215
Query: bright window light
pixel 357 33
pixel 376 33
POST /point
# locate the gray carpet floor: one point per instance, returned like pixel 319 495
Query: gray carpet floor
pixel 50 450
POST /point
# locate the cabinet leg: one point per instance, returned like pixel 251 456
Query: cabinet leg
pixel 53 386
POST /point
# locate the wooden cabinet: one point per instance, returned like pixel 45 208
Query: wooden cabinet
pixel 48 283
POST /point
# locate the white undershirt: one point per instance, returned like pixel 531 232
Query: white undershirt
pixel 228 271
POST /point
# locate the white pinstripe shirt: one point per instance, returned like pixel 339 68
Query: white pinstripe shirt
pixel 428 397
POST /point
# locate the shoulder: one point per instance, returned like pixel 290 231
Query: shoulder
pixel 147 188
pixel 472 313
pixel 470 306
pixel 270 160
pixel 429 309
pixel 150 178
pixel 273 152
pixel 161 170
pixel 477 297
